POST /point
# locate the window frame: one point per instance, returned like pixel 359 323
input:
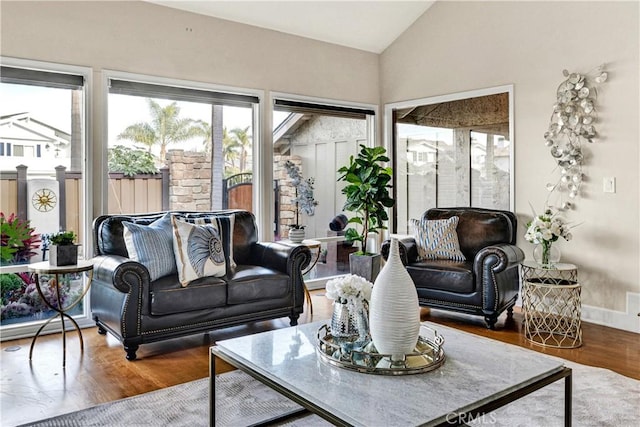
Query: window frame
pixel 107 75
pixel 373 122
pixel 29 329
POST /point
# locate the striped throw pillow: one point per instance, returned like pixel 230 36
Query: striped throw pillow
pixel 437 239
pixel 151 245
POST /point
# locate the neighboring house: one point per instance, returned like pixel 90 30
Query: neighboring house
pixel 27 141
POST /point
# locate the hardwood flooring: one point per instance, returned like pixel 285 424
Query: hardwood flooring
pixel 42 388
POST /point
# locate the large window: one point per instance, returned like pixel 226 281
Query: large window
pixel 176 145
pixel 43 149
pixel 453 150
pixel 316 139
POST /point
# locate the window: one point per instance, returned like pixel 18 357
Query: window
pixel 317 138
pixel 198 139
pixel 452 150
pixel 43 118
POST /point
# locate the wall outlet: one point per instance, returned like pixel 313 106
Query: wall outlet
pixel 609 184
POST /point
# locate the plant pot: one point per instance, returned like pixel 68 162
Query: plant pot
pixel 296 235
pixel 60 255
pixel 366 266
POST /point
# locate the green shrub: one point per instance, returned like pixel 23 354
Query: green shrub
pixel 9 283
pixel 131 161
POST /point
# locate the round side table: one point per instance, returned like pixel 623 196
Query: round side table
pixel 62 311
pixel 551 305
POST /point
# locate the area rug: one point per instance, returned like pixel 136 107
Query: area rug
pixel 600 398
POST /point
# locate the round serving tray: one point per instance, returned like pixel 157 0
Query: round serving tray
pixel 363 357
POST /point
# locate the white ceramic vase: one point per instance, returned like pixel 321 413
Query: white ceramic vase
pixel 394 313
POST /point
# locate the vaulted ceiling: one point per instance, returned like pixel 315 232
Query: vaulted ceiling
pixel 365 25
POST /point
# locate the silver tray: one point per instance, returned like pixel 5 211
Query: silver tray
pixel 361 356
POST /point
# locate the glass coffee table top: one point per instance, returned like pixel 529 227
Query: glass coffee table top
pixel 477 371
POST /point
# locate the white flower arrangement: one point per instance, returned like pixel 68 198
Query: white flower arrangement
pixel 547 228
pixel 350 289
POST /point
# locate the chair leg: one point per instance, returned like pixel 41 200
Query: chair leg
pixel 294 319
pixel 510 312
pixel 491 321
pixel 101 330
pixel 131 351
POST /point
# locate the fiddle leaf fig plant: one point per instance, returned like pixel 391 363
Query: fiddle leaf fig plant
pixel 367 191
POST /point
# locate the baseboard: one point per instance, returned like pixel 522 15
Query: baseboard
pixel 628 320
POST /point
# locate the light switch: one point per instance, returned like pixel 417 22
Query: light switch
pixel 609 184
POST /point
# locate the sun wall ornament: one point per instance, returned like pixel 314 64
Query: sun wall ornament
pixel 44 200
pixel 571 125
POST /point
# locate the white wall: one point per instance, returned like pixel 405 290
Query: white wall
pixel 460 46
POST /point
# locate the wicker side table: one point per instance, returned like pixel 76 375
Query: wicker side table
pixel 551 305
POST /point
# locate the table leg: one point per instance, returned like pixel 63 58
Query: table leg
pixel 568 399
pixel 212 389
pixel 307 296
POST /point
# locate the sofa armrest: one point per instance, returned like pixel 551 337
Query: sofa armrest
pixel 119 295
pixel 407 246
pixel 496 270
pixel 282 257
pixel 123 273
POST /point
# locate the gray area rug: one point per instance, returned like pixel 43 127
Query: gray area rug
pixel 600 398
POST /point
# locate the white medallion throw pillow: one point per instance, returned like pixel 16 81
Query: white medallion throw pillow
pixel 437 239
pixel 198 250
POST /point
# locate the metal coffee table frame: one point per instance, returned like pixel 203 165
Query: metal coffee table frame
pixel 459 417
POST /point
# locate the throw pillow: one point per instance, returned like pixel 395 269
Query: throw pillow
pixel 151 245
pixel 225 225
pixel 437 239
pixel 198 250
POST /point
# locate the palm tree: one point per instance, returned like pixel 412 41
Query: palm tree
pixel 230 152
pixel 244 143
pixel 165 127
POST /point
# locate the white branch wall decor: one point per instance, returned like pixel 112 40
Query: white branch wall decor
pixel 572 124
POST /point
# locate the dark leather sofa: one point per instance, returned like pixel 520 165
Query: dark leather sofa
pixel 487 283
pixel 266 284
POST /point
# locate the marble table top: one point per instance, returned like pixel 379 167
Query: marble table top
pixel 476 371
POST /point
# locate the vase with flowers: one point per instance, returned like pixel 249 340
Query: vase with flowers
pixel 351 295
pixel 303 200
pixel 542 231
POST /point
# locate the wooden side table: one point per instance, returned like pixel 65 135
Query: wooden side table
pixel 316 248
pixel 551 305
pixel 62 311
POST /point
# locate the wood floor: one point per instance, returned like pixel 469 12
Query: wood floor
pixel 32 391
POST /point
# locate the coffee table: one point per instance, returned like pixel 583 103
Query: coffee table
pixel 478 376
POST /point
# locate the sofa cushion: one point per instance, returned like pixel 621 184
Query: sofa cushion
pixel 444 275
pixel 198 250
pixel 151 245
pixel 437 239
pixel 168 297
pixel 251 283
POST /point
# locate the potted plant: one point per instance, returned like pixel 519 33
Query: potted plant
pixel 367 191
pixel 304 200
pixel 62 250
pixel 19 241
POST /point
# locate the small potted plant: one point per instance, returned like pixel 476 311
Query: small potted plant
pixel 304 200
pixel 367 192
pixel 62 250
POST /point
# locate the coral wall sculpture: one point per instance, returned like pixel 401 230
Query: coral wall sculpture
pixel 571 125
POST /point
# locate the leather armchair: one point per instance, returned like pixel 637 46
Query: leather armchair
pixel 487 283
